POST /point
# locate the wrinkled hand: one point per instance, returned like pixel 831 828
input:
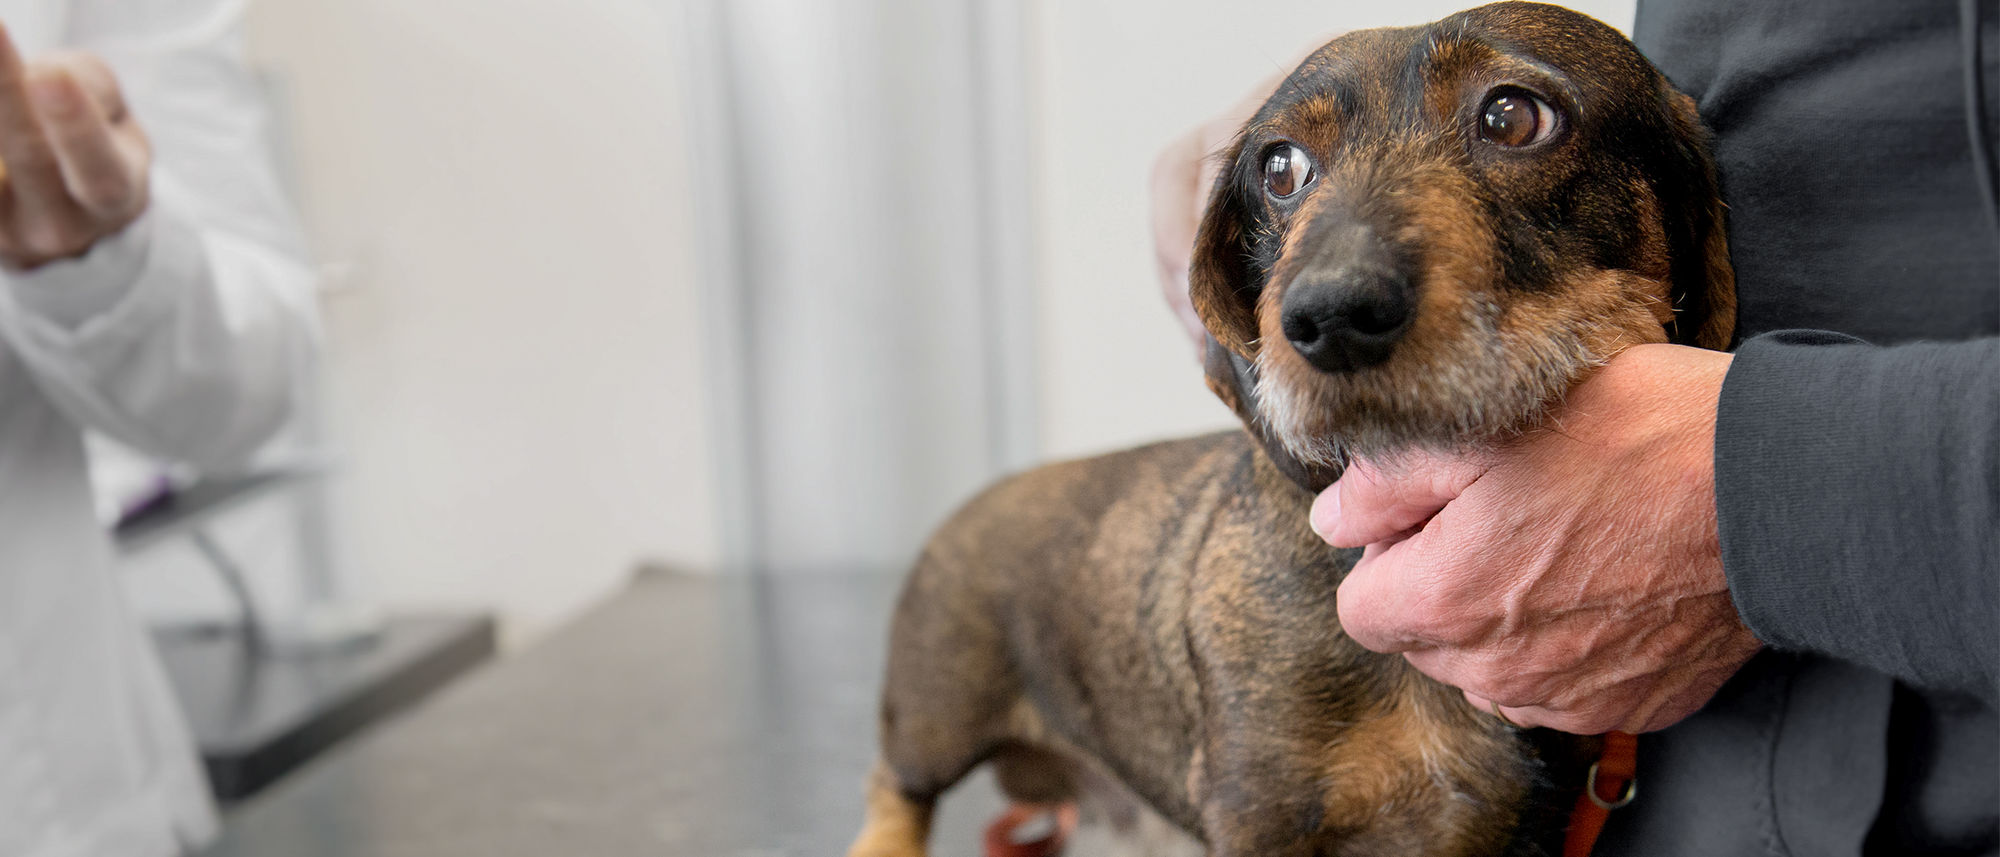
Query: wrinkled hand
pixel 76 162
pixel 1572 576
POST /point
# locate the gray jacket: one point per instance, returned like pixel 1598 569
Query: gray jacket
pixel 1857 484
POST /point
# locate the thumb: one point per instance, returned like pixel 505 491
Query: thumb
pixel 1369 505
pixel 91 75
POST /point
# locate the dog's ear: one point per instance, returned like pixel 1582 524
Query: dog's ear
pixel 1704 284
pixel 1220 279
pixel 1233 379
pixel 1228 384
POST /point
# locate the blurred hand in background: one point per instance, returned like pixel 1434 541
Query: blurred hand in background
pixel 76 161
pixel 1183 173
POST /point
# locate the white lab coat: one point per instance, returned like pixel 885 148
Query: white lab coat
pixel 188 336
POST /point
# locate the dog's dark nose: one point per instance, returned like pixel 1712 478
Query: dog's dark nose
pixel 1350 320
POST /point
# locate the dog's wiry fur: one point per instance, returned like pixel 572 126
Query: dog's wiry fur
pixel 1533 268
pixel 1157 627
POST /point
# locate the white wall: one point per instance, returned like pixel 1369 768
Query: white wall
pixel 518 359
pixel 1116 80
pixel 515 361
pixel 872 315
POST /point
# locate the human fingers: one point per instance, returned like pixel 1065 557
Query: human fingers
pixel 1396 599
pixel 1594 721
pixel 1214 138
pixel 1182 176
pixel 1368 505
pixel 1176 215
pixel 34 176
pixel 102 173
pixel 1499 711
pixel 94 76
pixel 1494 675
pixel 1642 704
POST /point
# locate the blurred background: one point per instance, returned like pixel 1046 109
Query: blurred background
pixel 732 286
pixel 728 288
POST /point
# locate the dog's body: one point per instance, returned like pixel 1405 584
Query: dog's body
pixel 1160 623
pixel 1167 613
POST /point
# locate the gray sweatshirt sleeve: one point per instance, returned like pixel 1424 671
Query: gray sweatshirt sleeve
pixel 1857 490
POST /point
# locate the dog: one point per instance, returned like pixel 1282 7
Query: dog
pixel 1421 241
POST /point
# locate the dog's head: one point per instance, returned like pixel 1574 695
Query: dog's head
pixel 1428 235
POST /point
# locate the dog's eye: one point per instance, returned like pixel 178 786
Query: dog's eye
pixel 1287 170
pixel 1516 119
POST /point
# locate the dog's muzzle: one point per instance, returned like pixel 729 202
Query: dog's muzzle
pixel 1351 303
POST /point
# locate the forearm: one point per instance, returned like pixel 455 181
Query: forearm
pixel 187 343
pixel 1858 498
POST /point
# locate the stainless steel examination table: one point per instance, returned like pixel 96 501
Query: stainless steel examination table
pixel 685 716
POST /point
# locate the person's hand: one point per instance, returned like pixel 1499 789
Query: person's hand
pixel 76 163
pixel 1572 576
pixel 1182 175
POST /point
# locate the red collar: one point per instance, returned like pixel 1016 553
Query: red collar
pixel 1612 783
pixel 1000 834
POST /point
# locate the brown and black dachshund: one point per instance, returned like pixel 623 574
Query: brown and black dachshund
pixel 1422 240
